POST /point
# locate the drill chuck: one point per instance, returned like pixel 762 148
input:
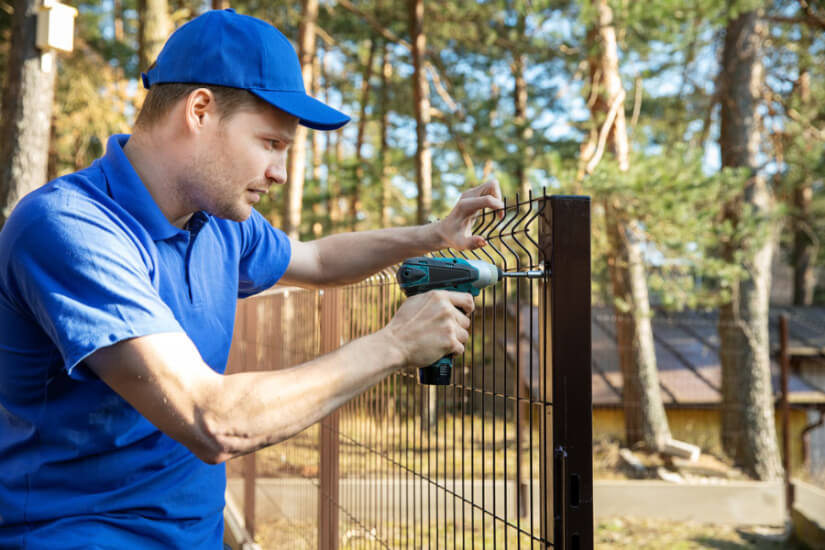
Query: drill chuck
pixel 488 274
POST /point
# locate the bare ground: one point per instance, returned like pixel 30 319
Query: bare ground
pixel 611 534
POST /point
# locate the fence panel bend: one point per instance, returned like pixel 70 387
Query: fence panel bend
pixel 500 458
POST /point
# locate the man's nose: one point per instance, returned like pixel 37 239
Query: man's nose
pixel 276 172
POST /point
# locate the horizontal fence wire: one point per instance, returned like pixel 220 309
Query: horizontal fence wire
pixel 404 465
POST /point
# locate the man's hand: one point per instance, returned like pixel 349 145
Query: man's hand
pixel 456 229
pixel 428 326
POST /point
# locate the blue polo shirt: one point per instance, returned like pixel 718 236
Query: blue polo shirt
pixel 86 261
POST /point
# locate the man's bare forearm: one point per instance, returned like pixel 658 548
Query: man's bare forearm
pixel 251 410
pixel 220 416
pixel 350 257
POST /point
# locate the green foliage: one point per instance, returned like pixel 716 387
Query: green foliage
pixel 667 53
pixel 81 126
pixel 681 211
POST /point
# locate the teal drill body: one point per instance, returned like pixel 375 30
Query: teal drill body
pixel 422 274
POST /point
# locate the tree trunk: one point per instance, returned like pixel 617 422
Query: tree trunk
pixel 804 280
pixel 421 94
pixel 386 73
pixel 220 4
pixel 804 250
pixel 51 162
pixel 523 130
pixel 617 264
pixel 655 428
pixel 645 418
pixel 296 163
pixel 423 155
pixel 335 179
pixel 748 430
pixel 28 95
pixel 332 154
pixel 317 155
pixel 355 204
pixel 317 208
pixel 494 97
pixel 153 29
pixel 117 19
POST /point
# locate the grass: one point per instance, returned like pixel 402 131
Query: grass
pixel 649 534
pixel 612 534
pixel 352 536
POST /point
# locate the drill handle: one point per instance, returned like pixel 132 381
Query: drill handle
pixel 439 373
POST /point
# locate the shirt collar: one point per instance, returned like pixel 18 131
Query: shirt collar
pixel 130 193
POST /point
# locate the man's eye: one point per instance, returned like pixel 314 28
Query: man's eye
pixel 273 143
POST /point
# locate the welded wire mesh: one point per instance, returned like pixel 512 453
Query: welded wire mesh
pixel 453 466
pixel 468 465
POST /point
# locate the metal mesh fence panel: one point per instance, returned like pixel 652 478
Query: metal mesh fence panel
pixel 485 462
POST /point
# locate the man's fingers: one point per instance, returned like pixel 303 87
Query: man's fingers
pixel 494 189
pixel 462 319
pixel 474 204
pixel 430 325
pixel 462 300
pixel 462 336
pixel 490 187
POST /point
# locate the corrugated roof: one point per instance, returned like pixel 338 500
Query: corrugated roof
pixel 687 355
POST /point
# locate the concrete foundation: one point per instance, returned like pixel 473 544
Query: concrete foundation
pixel 729 503
pixel 808 515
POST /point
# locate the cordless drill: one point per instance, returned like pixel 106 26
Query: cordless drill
pixel 421 274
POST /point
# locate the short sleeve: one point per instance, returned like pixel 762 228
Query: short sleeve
pixel 84 279
pixel 265 255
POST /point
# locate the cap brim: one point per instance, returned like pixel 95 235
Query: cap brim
pixel 309 111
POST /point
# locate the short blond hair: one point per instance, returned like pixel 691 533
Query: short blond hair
pixel 162 97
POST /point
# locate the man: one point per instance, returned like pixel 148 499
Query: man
pixel 117 296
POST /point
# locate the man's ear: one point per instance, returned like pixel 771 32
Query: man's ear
pixel 200 109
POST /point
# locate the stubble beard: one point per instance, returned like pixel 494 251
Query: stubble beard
pixel 208 185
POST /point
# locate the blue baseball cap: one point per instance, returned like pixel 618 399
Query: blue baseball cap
pixel 224 48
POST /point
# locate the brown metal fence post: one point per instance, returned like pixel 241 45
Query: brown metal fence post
pixel 545 377
pixel 331 332
pixel 250 353
pixel 786 413
pixel 567 464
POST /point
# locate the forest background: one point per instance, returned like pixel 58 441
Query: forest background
pixel 696 126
